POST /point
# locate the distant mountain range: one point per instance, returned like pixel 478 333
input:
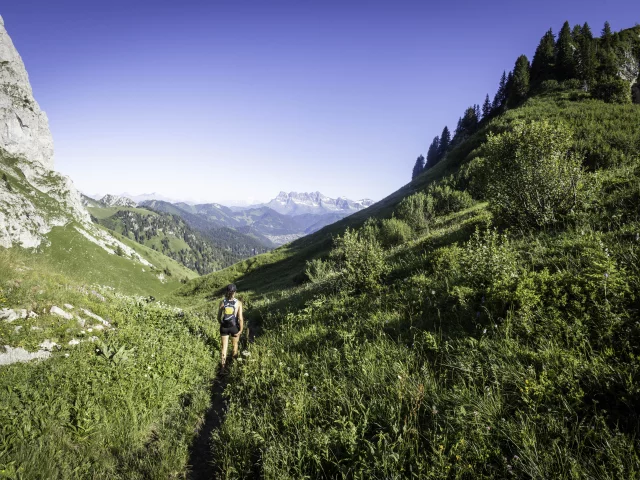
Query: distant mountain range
pixel 294 203
pixel 281 220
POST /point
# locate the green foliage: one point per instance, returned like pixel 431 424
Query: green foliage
pixel 319 270
pixel 520 88
pixel 613 90
pixel 122 404
pixel 416 210
pixel 542 66
pixel 565 59
pixel 360 262
pixel 535 179
pixel 448 200
pixel 394 231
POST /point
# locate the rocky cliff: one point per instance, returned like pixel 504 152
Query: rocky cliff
pixel 24 128
pixel 33 198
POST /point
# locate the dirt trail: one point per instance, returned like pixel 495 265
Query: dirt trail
pixel 200 454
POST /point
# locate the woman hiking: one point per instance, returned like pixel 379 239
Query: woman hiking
pixel 231 322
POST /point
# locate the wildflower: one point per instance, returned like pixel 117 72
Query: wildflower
pixel 606 275
pixel 433 292
pixel 148 367
pixel 246 353
pixel 97 350
pixel 90 330
pixel 457 457
pixel 484 331
pixel 239 359
pixel 315 389
pixel 441 447
pixel 306 374
pixel 399 377
pixel 488 428
pixel 66 354
pixel 516 457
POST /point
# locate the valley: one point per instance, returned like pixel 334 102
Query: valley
pixel 479 322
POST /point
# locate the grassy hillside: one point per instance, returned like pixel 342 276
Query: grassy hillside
pixel 433 336
pixel 115 401
pixel 605 134
pixel 73 255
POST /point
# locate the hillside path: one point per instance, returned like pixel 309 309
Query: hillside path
pixel 200 454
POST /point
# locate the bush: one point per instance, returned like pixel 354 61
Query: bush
pixel 572 84
pixel 614 90
pixel 318 270
pixel 416 210
pixel 549 86
pixel 360 262
pixel 534 178
pixel 447 200
pixel 394 232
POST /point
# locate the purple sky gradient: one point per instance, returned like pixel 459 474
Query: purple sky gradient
pixel 233 101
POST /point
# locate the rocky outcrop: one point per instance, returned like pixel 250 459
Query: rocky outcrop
pixel 33 198
pixel 117 201
pixel 24 128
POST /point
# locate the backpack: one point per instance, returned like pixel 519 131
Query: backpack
pixel 229 310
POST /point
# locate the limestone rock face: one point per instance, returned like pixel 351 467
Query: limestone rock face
pixel 33 197
pixel 24 128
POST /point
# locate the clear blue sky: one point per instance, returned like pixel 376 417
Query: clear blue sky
pixel 233 101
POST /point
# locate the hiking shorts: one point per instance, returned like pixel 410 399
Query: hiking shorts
pixel 232 330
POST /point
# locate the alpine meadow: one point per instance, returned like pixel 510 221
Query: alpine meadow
pixel 481 322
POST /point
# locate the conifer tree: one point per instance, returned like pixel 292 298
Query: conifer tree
pixel 520 86
pixel 418 167
pixel 565 61
pixel 501 94
pixel 607 36
pixel 432 153
pixel 477 112
pixel 544 60
pixel 445 141
pixel 486 108
pixel 469 122
pixel 509 86
pixel 587 61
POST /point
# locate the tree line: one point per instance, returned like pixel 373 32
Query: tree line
pixel 607 67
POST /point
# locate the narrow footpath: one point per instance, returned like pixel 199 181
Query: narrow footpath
pixel 200 454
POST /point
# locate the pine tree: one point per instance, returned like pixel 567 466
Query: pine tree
pixel 565 61
pixel 520 87
pixel 445 141
pixel 587 61
pixel 607 36
pixel 509 86
pixel 418 167
pixel 501 95
pixel 470 119
pixel 486 108
pixel 542 67
pixel 477 112
pixel 432 153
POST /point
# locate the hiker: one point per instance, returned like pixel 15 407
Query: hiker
pixel 231 322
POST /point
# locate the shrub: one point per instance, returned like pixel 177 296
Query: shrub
pixel 534 178
pixel 447 200
pixel 614 90
pixel 416 210
pixel 394 232
pixel 318 270
pixel 360 262
pixel 572 84
pixel 549 86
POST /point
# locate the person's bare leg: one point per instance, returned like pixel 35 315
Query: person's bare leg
pixel 223 351
pixel 234 340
